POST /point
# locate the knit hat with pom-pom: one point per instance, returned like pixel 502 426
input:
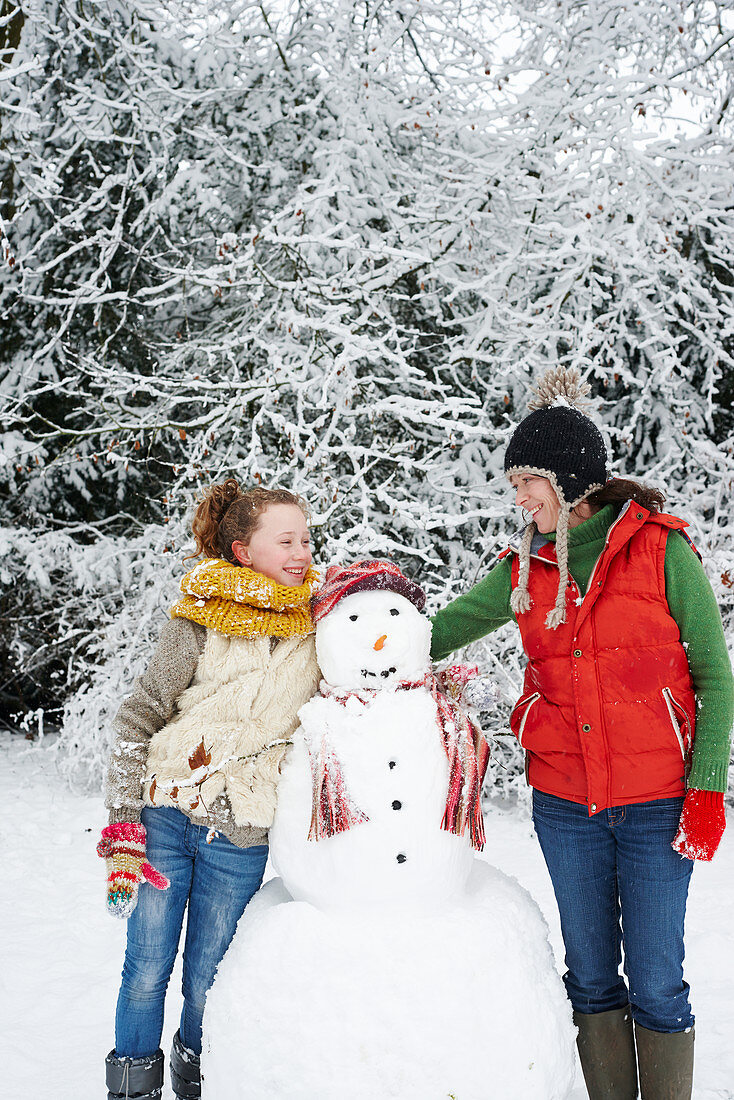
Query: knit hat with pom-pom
pixel 558 441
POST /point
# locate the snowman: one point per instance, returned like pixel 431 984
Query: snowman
pixel 387 959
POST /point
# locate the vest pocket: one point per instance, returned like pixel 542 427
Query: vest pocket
pixel 681 724
pixel 520 713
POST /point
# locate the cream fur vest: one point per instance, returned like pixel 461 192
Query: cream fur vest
pixel 242 699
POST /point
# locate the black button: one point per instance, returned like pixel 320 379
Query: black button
pixel 397 805
pixel 391 764
pixel 586 727
pixel 577 652
pixel 639 515
pixel 401 858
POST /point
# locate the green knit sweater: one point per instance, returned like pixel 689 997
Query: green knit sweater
pixel 691 602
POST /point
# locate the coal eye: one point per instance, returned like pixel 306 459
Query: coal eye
pixel 353 618
pixel 394 611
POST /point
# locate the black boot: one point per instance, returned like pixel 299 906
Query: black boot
pixel 666 1063
pixel 185 1071
pixel 134 1078
pixel 606 1047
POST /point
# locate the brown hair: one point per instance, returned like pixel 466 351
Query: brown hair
pixel 620 489
pixel 226 514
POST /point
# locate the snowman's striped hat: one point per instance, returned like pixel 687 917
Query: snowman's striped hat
pixel 372 575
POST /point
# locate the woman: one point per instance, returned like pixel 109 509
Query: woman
pixel 625 717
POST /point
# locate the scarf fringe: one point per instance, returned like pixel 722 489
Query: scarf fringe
pixel 468 756
pixel 332 810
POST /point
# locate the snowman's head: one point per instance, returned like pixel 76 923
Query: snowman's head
pixel 373 639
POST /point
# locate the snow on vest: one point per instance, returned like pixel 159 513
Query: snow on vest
pixel 231 727
pixel 607 713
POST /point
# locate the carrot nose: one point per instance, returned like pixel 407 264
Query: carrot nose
pixel 380 642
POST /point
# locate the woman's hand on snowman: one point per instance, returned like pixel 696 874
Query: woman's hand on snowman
pixel 482 694
pixel 465 686
pixel 123 848
pixel 453 680
pixel 702 824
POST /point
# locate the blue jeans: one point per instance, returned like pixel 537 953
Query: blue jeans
pixel 217 880
pixel 620 886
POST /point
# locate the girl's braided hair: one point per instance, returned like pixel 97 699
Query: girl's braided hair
pixel 227 513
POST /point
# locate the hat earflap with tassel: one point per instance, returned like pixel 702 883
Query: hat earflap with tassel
pixel 559 442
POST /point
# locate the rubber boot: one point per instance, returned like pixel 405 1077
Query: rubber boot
pixel 606 1046
pixel 134 1078
pixel 666 1064
pixel 185 1071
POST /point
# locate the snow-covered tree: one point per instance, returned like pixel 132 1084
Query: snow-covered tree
pixel 342 240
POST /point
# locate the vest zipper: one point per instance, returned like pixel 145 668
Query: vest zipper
pixel 606 546
pixel 529 703
pixel 672 705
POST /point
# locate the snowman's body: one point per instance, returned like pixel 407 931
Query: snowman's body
pixel 398 777
pixel 387 961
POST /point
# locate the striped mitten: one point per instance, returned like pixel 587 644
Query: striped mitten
pixel 123 848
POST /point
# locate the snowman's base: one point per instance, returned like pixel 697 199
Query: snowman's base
pixel 366 1005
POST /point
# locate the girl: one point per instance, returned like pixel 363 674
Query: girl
pixel 192 778
pixel 625 719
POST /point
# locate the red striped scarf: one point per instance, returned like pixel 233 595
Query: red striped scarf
pixel 333 810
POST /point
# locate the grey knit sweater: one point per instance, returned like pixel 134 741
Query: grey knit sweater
pixel 145 712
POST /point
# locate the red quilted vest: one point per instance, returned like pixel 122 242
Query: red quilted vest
pixel 607 712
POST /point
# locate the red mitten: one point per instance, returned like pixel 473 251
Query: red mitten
pixel 123 847
pixel 453 679
pixel 702 824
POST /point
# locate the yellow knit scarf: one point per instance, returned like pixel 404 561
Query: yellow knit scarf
pixel 238 601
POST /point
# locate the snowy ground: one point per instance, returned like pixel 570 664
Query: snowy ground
pixel 62 953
